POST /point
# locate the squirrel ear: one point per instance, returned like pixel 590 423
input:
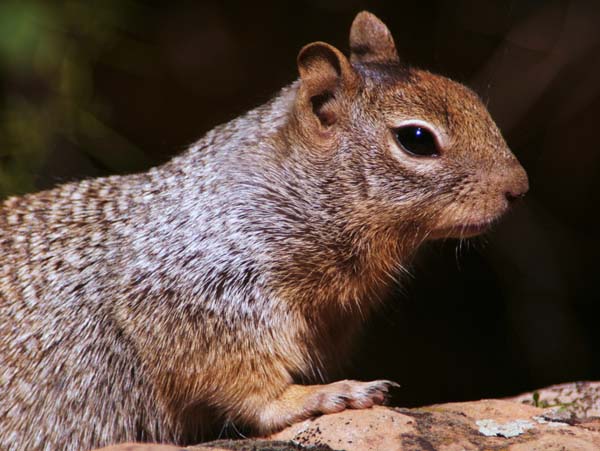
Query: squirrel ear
pixel 371 41
pixel 324 72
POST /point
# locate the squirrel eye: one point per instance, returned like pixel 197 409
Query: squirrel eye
pixel 417 141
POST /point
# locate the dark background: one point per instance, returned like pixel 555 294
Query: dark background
pixel 96 88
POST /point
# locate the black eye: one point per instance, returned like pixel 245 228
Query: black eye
pixel 417 141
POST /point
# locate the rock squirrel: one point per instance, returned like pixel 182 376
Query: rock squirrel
pixel 159 306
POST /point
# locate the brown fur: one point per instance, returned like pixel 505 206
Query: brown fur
pixel 158 306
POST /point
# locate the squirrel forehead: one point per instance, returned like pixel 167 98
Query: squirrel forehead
pixel 413 93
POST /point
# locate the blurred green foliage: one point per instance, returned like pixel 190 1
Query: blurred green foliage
pixel 47 54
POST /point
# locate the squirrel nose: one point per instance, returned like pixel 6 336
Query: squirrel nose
pixel 519 185
pixel 512 196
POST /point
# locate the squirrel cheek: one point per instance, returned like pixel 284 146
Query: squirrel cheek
pixel 473 208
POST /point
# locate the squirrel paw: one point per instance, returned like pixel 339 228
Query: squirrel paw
pixel 300 402
pixel 346 394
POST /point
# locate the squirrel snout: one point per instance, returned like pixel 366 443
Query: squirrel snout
pixel 511 196
pixel 518 185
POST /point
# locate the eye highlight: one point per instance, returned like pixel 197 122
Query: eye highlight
pixel 416 140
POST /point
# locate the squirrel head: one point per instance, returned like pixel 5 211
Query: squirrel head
pixel 415 147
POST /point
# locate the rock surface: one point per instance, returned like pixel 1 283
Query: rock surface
pixel 562 417
pixel 222 445
pixel 488 424
pixel 581 399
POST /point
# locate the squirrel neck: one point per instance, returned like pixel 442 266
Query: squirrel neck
pixel 307 226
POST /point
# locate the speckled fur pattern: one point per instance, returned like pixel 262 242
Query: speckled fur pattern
pixel 159 306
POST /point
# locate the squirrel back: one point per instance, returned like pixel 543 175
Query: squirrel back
pixel 158 306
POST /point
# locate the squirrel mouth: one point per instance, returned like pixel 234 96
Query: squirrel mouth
pixel 463 230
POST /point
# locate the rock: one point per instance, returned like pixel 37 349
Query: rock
pixel 487 424
pixel 561 417
pixel 255 445
pixel 580 399
pixel 220 445
pixel 142 447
